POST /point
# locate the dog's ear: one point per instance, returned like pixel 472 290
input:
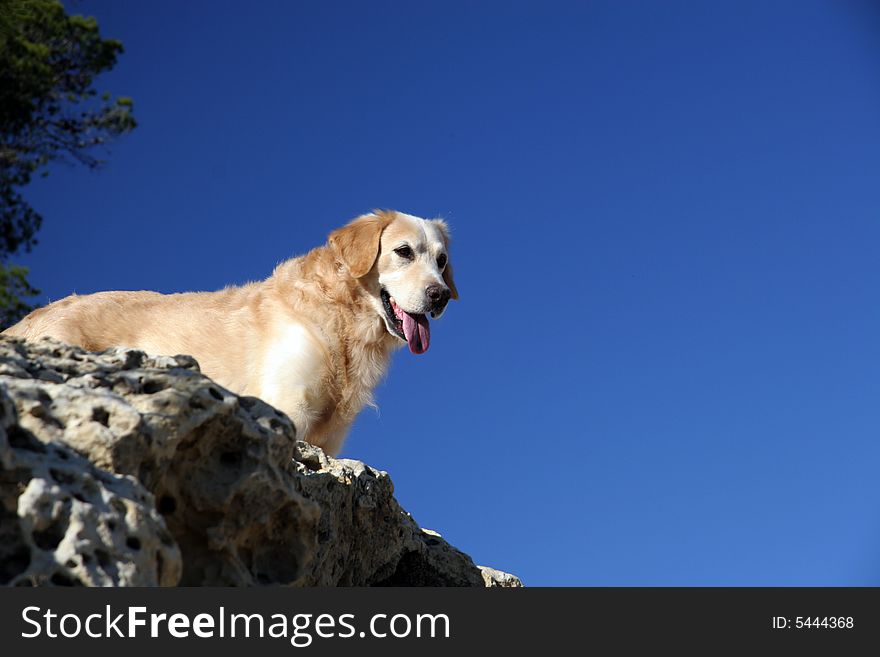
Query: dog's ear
pixel 447 273
pixel 450 283
pixel 357 244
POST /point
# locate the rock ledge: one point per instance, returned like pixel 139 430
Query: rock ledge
pixel 122 469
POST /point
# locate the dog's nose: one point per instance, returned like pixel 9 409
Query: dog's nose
pixel 438 295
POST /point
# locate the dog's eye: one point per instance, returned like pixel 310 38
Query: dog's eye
pixel 404 252
pixel 441 261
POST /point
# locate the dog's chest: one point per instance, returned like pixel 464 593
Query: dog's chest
pixel 319 379
pixel 295 361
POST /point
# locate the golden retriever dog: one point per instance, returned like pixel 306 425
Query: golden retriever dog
pixel 313 339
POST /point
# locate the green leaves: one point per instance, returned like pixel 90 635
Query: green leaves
pixel 49 110
pixel 14 286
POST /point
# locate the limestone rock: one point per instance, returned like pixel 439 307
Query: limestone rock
pixel 497 579
pixel 64 521
pixel 155 448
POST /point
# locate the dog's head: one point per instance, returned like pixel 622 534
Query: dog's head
pixel 403 262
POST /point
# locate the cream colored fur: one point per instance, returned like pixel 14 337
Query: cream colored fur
pixel 312 339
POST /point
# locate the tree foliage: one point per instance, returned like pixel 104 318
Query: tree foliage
pixel 14 288
pixel 49 110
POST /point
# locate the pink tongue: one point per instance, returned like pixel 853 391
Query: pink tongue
pixel 417 332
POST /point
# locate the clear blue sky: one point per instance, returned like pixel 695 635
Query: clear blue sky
pixel 664 367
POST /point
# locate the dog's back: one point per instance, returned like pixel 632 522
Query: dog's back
pixel 89 321
pixel 206 325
